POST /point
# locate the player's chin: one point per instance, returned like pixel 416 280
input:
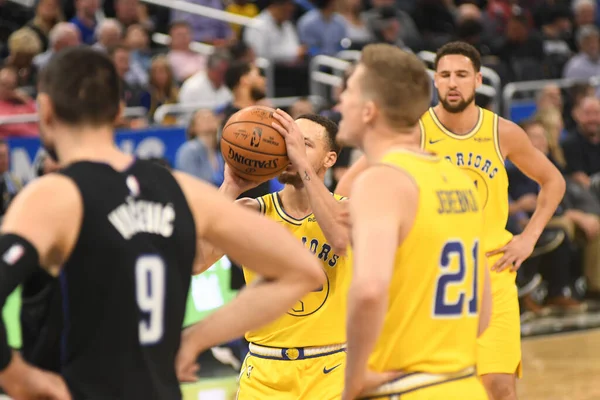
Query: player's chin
pixel 288 178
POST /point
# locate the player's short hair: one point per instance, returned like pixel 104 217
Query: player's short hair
pixel 331 129
pixel 83 86
pixel 235 72
pixel 398 83
pixel 462 49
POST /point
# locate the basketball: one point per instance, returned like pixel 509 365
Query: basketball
pixel 252 147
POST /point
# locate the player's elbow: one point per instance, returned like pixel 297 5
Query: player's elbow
pixel 310 277
pixel 340 244
pixel 369 292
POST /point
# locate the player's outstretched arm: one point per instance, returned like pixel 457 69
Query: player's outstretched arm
pixel 384 202
pixel 344 186
pixel 39 229
pixel 289 270
pixel 331 214
pixel 232 187
pixel 516 146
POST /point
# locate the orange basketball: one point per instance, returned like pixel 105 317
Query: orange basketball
pixel 252 147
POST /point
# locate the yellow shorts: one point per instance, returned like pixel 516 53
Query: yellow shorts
pixel 421 386
pixel 499 348
pixel 319 377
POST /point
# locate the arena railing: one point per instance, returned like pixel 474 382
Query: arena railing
pixel 130 112
pixel 205 11
pixel 179 109
pixel 530 88
pixel 207 49
pixel 319 78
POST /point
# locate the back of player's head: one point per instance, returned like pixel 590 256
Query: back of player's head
pixel 330 127
pixel 462 49
pixel 83 87
pixel 397 82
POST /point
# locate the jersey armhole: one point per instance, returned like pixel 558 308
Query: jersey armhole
pixel 261 205
pixel 496 134
pixel 422 129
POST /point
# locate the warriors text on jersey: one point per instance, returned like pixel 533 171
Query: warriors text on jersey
pixel 478 154
pixel 435 291
pixel 125 284
pixel 319 319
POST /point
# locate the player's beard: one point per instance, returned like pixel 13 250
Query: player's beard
pixel 257 94
pixel 459 107
pixel 290 178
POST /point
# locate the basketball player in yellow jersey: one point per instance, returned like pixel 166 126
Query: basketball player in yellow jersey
pixel 478 141
pixel 301 356
pixel 420 284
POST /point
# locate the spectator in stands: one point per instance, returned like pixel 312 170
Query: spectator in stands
pixel 162 88
pixel 15 102
pixel 322 29
pixel 550 97
pixel 200 156
pixel 138 42
pixel 47 14
pixel 63 35
pixel 23 46
pixel 85 19
pixel 356 23
pixel 240 51
pixel 471 27
pixel 551 120
pixel 576 93
pixel 183 60
pixel 582 147
pixel 586 63
pixel 10 185
pixel 208 86
pixel 109 34
pixel 130 93
pixel 130 12
pixel 244 8
pixel 205 29
pixel 247 86
pixel 435 21
pixel 522 52
pixel 387 29
pixel 556 263
pixel 300 107
pixel 407 29
pixel 584 12
pixel 557 31
pixel 276 39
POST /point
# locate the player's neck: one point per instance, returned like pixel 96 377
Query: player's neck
pixel 375 146
pixel 295 201
pixel 90 144
pixel 458 123
pixel 242 100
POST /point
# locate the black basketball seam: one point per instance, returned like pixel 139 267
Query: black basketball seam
pixel 244 172
pixel 248 122
pixel 253 151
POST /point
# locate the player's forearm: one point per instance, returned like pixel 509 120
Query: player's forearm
pixel 229 191
pixel 549 198
pixel 332 215
pixel 366 314
pixel 258 304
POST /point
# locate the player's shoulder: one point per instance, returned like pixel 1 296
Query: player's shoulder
pixel 383 176
pixel 55 185
pixel 256 204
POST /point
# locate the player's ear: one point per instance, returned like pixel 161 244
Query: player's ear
pixel 330 159
pixel 121 112
pixel 45 109
pixel 369 112
pixel 478 79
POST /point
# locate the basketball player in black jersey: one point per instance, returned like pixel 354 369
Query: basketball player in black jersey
pixel 122 235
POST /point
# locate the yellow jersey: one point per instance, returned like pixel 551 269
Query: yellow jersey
pixel 478 154
pixel 432 319
pixel 319 319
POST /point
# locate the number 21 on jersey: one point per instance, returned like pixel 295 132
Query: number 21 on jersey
pixel 150 294
pixel 453 287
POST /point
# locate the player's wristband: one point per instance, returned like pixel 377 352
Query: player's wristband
pixel 18 260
